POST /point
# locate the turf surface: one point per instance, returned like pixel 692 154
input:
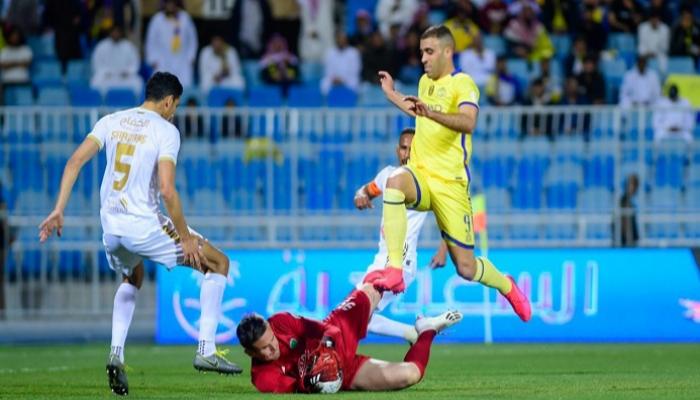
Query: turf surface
pixel 607 371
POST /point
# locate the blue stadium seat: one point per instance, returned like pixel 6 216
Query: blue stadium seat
pixel 599 171
pixel 218 96
pixel 53 96
pixel 596 200
pixel 283 190
pixel 562 46
pixel 31 263
pixel 560 231
pixel 341 96
pixel 265 96
pixel 70 264
pixel 613 69
pixel 665 199
pixel 625 43
pixel 84 96
pixel 19 96
pixel 251 73
pixel 305 96
pixel 120 97
pixel 311 73
pixel 599 232
pixel 47 73
pixel 681 65
pixel 495 43
pixel 519 68
pixel 42 47
pixel 527 196
pixel 78 72
pixel 562 196
pixel 668 170
pixel 372 96
pixel 352 7
pixel 497 200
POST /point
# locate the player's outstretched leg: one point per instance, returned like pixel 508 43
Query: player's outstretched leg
pixel 211 294
pixel 122 314
pixel 427 328
pixel 117 376
pixel 519 302
pixel 438 323
pixel 482 270
pixel 487 273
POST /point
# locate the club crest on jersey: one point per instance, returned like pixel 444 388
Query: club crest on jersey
pixel 431 90
pixel 442 92
pixel 293 343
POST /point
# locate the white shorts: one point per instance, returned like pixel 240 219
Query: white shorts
pixel 162 246
pixel 409 275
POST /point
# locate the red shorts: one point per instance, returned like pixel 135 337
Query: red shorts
pixel 351 318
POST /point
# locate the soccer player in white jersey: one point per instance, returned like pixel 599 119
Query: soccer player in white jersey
pixel 380 324
pixel 142 146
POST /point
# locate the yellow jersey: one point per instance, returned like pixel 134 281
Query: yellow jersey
pixel 437 150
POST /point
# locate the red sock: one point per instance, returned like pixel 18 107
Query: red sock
pixel 419 353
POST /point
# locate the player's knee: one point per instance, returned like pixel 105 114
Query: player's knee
pixel 466 268
pixel 410 376
pixel 394 182
pixel 220 265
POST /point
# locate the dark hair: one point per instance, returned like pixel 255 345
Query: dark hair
pixel 162 85
pixel 442 33
pixel 407 131
pixel 250 329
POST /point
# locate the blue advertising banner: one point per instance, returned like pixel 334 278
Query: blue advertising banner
pixel 576 294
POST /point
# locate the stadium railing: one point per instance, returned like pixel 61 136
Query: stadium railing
pixel 285 178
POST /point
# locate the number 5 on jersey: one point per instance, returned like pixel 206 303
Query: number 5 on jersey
pixel 123 149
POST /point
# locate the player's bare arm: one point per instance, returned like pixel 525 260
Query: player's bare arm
pixel 387 83
pixel 463 121
pixel 190 244
pixel 80 156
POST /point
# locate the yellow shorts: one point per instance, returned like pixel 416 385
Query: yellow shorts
pixel 451 204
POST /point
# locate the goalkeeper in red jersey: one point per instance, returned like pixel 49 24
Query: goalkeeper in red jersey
pixel 295 354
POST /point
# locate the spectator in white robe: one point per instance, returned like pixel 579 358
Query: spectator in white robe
pixel 395 12
pixel 316 29
pixel 640 85
pixel 171 42
pixel 674 118
pixel 342 65
pixel 479 62
pixel 115 64
pixel 654 38
pixel 219 66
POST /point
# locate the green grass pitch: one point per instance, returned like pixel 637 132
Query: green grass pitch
pixel 456 371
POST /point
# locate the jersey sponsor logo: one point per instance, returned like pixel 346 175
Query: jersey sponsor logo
pixel 346 305
pixel 435 107
pixel 133 123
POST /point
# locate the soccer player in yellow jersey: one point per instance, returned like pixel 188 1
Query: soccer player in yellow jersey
pixel 437 176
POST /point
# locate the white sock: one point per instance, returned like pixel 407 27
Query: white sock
pixel 210 301
pixel 382 325
pixel 124 305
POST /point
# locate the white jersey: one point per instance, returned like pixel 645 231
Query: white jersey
pixel 415 224
pixel 135 140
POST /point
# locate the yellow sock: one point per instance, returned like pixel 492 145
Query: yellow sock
pixel 489 275
pixel 394 220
